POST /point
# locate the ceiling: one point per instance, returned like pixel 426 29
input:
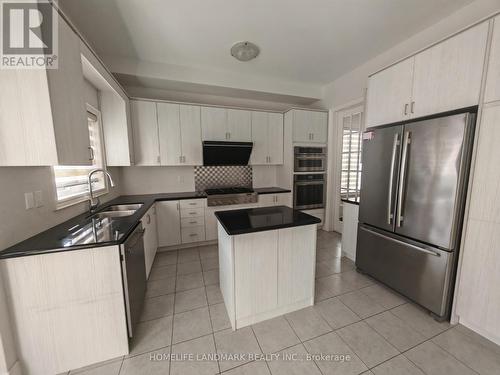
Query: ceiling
pixel 307 42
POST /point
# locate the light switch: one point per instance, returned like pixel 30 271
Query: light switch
pixel 38 198
pixel 29 200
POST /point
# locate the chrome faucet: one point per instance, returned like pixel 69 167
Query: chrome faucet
pixel 92 205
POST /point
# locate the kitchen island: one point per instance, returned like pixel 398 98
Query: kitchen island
pixel 266 261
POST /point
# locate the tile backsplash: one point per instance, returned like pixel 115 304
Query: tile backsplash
pixel 208 177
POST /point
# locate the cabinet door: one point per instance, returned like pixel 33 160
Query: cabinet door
pixel 448 75
pixel 267 200
pixel 191 135
pixel 302 128
pixel 169 131
pixel 284 199
pixel 260 154
pixel 69 112
pixel 26 130
pixel 239 125
pixel 169 223
pixel 389 94
pixel 493 79
pixel 213 124
pixel 275 137
pixel 150 238
pixel 319 127
pixel 145 132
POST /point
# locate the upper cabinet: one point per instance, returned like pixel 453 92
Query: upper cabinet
pixel 493 78
pixel 221 124
pixel 443 77
pixel 310 126
pixel 389 94
pixel 213 124
pixel 180 134
pixel 42 112
pixel 448 75
pixel 239 125
pixel 267 137
pixel 145 132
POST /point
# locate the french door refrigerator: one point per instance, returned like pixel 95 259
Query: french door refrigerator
pixel 412 199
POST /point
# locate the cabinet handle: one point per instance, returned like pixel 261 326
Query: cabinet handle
pixel 269 159
pixel 192 213
pixel 148 219
pixel 193 235
pixel 412 107
pixel 192 222
pixel 406 109
pixel 229 135
pixel 192 204
pixel 91 152
pixel 312 136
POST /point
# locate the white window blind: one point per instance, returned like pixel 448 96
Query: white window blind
pixel 71 181
pixel 350 181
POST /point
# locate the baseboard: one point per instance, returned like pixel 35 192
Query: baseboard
pixel 492 337
pixel 14 370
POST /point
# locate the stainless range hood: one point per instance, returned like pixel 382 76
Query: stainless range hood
pixel 226 153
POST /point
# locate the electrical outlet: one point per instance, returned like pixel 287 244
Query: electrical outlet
pixel 38 198
pixel 29 200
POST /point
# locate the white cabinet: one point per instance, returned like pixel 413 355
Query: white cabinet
pixel 179 134
pixel 448 75
pixel 239 125
pixel 145 132
pixel 169 223
pixel 444 77
pixel 117 129
pixel 478 301
pixel 279 199
pixel 150 238
pixel 43 117
pixel 492 92
pixel 213 124
pixel 66 89
pixel 389 94
pixel 267 136
pixel 221 124
pixel 310 126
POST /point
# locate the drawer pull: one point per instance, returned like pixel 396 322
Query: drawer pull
pixel 193 235
pixel 192 222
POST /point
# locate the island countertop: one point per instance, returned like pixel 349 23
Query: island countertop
pixel 260 219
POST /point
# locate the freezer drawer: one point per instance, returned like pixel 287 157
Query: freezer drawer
pixel 422 274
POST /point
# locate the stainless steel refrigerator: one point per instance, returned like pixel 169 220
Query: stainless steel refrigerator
pixel 412 199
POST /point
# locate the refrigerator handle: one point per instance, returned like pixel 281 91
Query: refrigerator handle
pixel 395 145
pixel 402 179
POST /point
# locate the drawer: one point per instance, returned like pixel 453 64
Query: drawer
pixel 193 212
pixel 192 222
pixel 193 234
pixel 192 203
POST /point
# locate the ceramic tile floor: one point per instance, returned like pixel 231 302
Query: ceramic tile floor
pixel 381 331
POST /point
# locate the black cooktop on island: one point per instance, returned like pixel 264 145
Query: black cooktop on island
pixel 260 219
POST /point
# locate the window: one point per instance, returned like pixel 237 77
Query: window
pixel 71 181
pixel 350 181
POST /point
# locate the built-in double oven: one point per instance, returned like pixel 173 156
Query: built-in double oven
pixel 309 189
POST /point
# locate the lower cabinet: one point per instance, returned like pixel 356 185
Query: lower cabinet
pixel 280 199
pixel 169 223
pixel 150 237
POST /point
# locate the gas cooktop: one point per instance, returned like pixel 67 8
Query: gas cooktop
pixel 230 195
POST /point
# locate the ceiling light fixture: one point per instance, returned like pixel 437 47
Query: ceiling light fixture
pixel 244 51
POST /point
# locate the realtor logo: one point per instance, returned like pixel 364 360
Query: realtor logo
pixel 29 34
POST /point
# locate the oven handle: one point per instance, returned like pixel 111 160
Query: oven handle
pixel 309 183
pixel 310 156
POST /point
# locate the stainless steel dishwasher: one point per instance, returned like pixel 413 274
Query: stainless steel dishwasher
pixel 134 276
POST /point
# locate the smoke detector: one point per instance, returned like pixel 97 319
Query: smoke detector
pixel 244 51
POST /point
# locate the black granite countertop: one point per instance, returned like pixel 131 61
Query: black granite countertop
pixel 260 219
pixel 79 232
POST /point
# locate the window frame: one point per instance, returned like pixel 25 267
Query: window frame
pixel 67 202
pixel 350 153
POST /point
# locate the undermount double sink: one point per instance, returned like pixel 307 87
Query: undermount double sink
pixel 117 210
